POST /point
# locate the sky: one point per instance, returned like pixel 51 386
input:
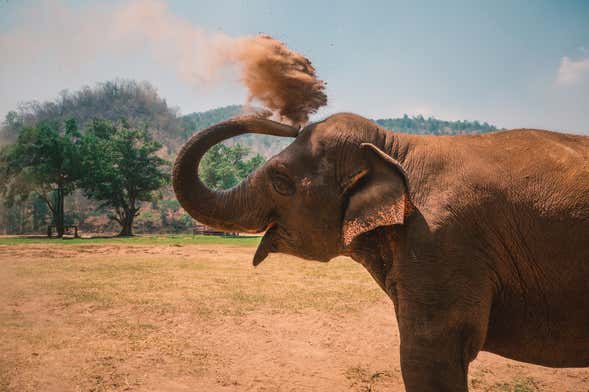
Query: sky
pixel 513 64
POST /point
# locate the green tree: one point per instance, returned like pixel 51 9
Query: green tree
pixel 45 160
pixel 121 169
pixel 224 166
pixel 39 213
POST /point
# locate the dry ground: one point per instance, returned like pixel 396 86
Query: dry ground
pixel 117 317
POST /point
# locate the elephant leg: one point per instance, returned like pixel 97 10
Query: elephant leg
pixel 437 346
pixel 434 364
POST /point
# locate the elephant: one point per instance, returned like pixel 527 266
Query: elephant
pixel 481 241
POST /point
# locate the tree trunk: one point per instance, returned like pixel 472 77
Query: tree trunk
pixel 59 213
pixel 126 222
pixel 21 218
pixel 126 230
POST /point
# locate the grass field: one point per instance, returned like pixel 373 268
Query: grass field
pixel 176 313
pixel 166 239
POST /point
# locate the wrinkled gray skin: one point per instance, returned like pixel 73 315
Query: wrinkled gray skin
pixel 481 241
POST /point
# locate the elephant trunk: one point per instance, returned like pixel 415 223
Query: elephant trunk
pixel 239 209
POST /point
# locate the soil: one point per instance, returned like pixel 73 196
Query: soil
pixel 201 318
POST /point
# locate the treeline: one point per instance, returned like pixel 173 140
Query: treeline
pixel 102 128
pixel 270 145
pixel 433 126
pixel 114 165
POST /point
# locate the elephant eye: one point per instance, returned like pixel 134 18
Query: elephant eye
pixel 282 184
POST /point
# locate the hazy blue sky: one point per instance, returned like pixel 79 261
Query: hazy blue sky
pixel 511 63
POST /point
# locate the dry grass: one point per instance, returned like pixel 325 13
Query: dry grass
pixel 176 317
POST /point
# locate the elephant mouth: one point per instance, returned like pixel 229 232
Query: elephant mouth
pixel 278 239
pixel 267 244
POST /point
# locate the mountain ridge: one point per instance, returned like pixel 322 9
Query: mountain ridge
pixel 142 106
pixel 268 146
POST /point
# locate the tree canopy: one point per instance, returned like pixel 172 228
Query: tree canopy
pixel 224 166
pixel 45 160
pixel 121 169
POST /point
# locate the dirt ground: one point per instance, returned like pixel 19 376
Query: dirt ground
pixel 201 318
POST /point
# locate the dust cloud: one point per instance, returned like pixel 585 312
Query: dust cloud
pixel 283 80
pixel 280 79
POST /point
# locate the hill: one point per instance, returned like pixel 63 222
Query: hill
pixel 432 126
pixel 141 105
pixel 270 145
pixel 266 145
pixel 200 120
pixel 138 102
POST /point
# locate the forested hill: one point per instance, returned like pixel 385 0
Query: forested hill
pixel 265 145
pixel 137 102
pixel 406 124
pixel 201 120
pixel 433 126
pixel 140 104
pixel 270 145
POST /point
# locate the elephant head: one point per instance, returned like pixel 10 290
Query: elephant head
pixel 333 184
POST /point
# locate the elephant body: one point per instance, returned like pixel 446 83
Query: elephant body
pixel 481 241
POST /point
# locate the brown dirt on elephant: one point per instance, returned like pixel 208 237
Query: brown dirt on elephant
pixel 199 317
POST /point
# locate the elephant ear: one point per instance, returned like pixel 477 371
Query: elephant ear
pixel 378 196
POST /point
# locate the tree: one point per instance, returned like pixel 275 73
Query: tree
pixel 121 169
pixel 224 166
pixel 45 160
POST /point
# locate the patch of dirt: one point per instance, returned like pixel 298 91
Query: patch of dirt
pixel 200 318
